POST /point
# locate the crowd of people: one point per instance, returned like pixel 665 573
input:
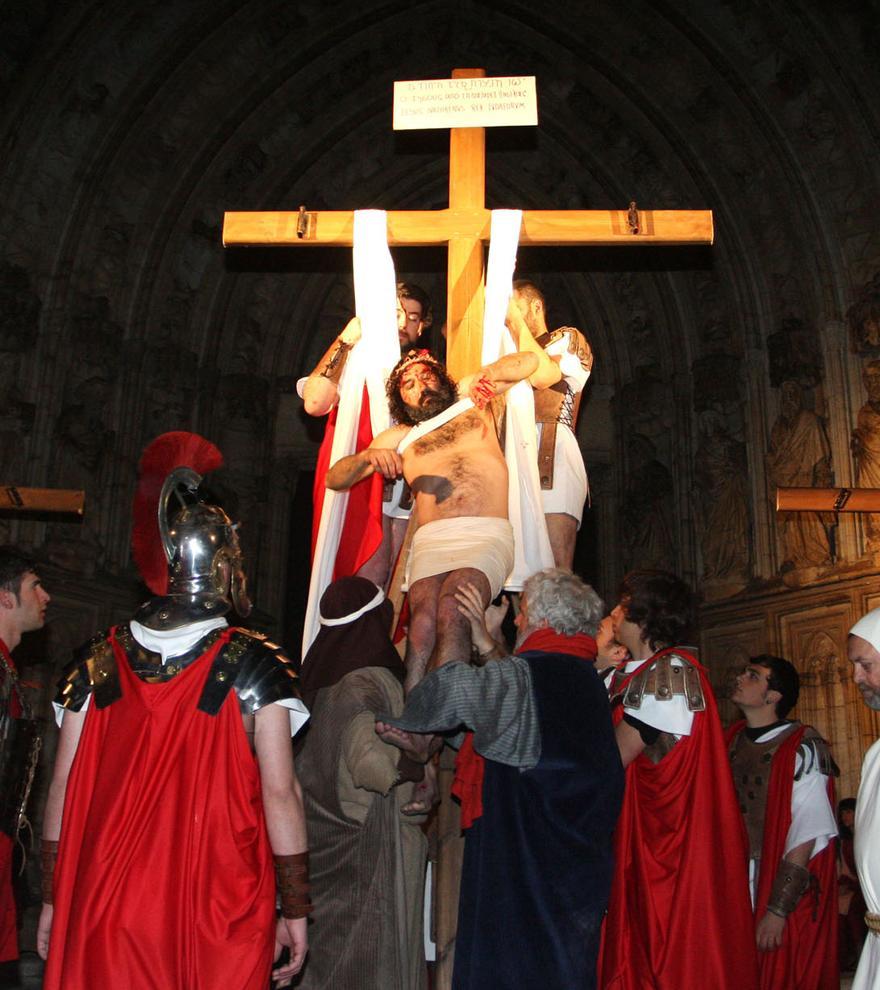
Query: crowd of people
pixel 616 836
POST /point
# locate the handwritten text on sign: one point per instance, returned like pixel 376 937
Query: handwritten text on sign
pixel 497 101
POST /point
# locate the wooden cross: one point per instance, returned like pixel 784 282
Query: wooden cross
pixel 465 227
pixel 42 501
pixel 828 499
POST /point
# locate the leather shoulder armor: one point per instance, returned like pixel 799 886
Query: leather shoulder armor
pixel 664 681
pixel 92 671
pixel 257 669
pixel 815 753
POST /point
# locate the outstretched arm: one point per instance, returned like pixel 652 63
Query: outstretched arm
pixel 497 377
pixel 286 825
pixel 321 390
pixel 548 371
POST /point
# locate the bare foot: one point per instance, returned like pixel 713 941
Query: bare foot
pixel 416 746
pixel 425 794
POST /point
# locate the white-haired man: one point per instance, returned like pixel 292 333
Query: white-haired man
pixel 863 651
pixel 550 788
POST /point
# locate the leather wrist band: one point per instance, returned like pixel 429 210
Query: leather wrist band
pixel 789 885
pixel 332 370
pixel 292 881
pixel 48 855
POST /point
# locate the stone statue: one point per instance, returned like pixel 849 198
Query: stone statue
pixel 863 317
pixel 866 447
pixel 722 479
pixel 800 457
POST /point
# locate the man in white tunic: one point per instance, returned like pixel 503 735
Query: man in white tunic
pixel 781 771
pixel 564 487
pixel 863 651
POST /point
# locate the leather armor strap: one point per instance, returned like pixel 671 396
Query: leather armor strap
pixel 48 855
pixel 546 455
pixel 332 370
pixel 789 885
pixel 292 880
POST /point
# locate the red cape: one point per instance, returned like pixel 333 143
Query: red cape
pixel 8 924
pixel 680 917
pixel 164 876
pixel 362 529
pixel 807 958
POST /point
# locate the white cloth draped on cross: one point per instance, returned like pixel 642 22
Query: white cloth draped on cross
pixel 377 352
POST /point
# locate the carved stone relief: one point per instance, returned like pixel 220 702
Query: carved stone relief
pixel 863 318
pixel 799 456
pixel 866 448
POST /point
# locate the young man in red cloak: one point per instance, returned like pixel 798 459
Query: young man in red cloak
pixel 174 810
pixel 783 771
pixel 23 602
pixel 679 916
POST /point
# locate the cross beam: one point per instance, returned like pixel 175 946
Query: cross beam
pixel 52 501
pixel 828 499
pixel 464 228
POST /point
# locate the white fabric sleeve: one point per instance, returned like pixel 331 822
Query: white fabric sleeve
pixel 298 712
pixel 59 711
pixel 671 715
pixel 573 371
pixel 812 816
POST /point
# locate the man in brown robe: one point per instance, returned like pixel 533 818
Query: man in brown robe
pixel 367 860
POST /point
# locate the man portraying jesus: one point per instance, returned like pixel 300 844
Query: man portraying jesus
pixel 447 450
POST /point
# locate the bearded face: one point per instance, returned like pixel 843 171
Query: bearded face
pixel 421 392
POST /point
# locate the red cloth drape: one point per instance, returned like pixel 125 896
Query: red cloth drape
pixel 362 529
pixel 164 878
pixel 8 923
pixel 807 958
pixel 680 916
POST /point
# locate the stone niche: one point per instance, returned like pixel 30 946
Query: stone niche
pixel 808 626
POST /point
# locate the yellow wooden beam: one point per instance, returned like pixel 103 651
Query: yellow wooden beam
pixel 423 228
pixel 828 499
pixel 60 501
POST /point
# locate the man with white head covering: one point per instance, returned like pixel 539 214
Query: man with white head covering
pixel 863 652
pixel 367 859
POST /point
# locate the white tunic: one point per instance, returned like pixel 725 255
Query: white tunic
pixel 570 488
pixel 867 852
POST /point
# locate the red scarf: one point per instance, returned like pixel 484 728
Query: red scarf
pixel 469 765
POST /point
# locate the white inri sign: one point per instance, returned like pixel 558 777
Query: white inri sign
pixel 494 101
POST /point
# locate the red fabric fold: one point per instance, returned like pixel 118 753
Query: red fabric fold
pixel 362 529
pixel 807 958
pixel 8 924
pixel 164 877
pixel 467 785
pixel 681 874
pixel 549 641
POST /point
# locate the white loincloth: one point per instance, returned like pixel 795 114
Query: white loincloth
pixel 482 542
pixel 569 491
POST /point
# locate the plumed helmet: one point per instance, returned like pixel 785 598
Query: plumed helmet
pixel 186 548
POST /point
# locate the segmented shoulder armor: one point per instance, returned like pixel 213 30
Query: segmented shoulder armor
pixel 664 681
pixel 256 668
pixel 815 754
pixel 92 671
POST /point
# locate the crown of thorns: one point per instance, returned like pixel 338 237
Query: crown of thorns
pixel 415 357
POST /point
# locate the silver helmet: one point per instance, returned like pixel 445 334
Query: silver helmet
pixel 205 567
